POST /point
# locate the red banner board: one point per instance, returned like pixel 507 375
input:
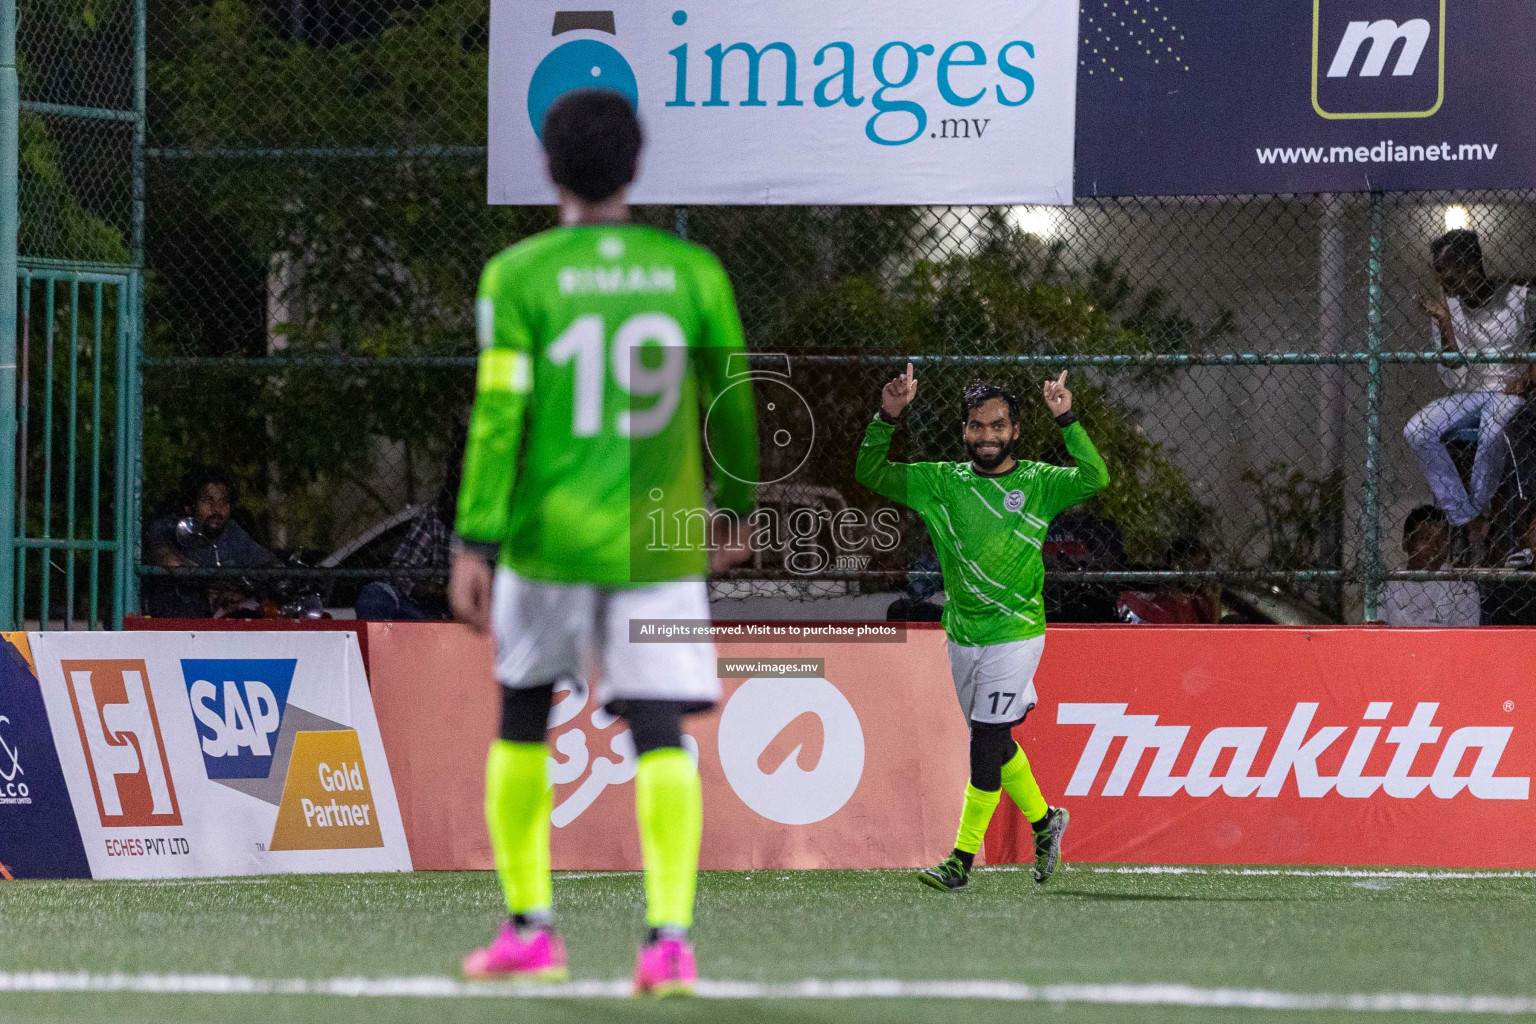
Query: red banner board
pixel 864 767
pixel 1286 746
pixel 1170 745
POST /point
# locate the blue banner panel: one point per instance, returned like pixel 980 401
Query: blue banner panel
pixel 38 834
pixel 1200 97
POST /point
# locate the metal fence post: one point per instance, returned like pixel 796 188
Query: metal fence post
pixel 10 130
pixel 132 490
pixel 1373 331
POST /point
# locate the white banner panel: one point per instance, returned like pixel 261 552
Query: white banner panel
pixel 220 753
pixel 801 101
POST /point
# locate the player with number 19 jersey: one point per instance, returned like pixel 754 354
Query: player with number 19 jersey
pixel 601 348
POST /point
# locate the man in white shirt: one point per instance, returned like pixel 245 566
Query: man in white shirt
pixel 1478 317
pixel 1427 542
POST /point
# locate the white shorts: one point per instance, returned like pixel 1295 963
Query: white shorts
pixel 546 632
pixel 996 683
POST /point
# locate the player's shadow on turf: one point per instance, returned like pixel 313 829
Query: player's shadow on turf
pixel 1117 896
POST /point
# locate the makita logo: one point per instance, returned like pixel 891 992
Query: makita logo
pixel 1295 756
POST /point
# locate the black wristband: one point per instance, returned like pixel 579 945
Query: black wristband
pixel 1066 419
pixel 880 415
pixel 487 550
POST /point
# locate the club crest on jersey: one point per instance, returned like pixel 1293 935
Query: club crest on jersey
pixel 1014 501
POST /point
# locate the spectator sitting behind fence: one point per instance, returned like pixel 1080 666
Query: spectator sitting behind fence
pixel 1427 543
pixel 425 547
pixel 1478 317
pixel 203 536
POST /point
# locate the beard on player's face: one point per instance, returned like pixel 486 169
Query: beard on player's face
pixel 989 453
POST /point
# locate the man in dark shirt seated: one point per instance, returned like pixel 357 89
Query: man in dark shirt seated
pixel 209 538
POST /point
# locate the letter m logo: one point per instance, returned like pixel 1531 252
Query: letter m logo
pixel 1378 58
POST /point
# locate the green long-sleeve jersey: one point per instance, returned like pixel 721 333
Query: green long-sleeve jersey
pixel 988 531
pixel 600 348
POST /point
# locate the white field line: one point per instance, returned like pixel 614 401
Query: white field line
pixel 979 989
pixel 1168 869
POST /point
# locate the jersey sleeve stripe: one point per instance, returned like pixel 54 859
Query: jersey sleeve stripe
pixel 503 370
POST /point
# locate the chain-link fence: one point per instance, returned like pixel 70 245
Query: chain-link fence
pixel 314 224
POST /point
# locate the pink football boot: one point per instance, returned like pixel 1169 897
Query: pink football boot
pixel 540 957
pixel 666 968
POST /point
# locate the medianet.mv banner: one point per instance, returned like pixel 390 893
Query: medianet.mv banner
pixel 1193 97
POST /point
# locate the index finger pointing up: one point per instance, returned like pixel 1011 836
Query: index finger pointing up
pixel 909 373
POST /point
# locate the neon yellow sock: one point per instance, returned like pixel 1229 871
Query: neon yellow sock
pixel 1020 783
pixel 979 805
pixel 669 805
pixel 517 804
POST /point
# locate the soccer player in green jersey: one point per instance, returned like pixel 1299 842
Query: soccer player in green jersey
pixel 601 344
pixel 987 518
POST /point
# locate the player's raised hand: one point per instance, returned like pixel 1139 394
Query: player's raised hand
pixel 1057 398
pixel 895 396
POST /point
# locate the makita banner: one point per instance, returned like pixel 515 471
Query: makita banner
pixel 1190 97
pixel 217 753
pixel 1286 746
pixel 801 101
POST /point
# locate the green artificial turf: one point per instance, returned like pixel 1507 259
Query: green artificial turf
pixel 1284 933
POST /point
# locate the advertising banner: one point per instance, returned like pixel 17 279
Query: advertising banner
pixel 1285 746
pixel 1348 746
pixel 861 765
pixel 38 834
pixel 801 101
pixel 217 753
pixel 1190 97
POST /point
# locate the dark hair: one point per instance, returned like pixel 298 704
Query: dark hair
pixel 1424 515
pixel 1460 247
pixel 198 477
pixel 592 139
pixel 980 392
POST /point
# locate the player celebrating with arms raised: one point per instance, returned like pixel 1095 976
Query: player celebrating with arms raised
pixel 600 341
pixel 988 519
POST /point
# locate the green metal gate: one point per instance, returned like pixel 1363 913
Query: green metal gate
pixel 76 412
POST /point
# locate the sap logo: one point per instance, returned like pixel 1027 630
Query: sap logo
pixel 582 63
pixel 1295 755
pixel 1356 84
pixel 120 734
pixel 239 705
pixel 792 749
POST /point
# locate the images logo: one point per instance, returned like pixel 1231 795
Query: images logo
pixel 239 705
pixel 579 64
pixel 792 749
pixel 1355 85
pixel 120 733
pixel 894 119
pixel 11 791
